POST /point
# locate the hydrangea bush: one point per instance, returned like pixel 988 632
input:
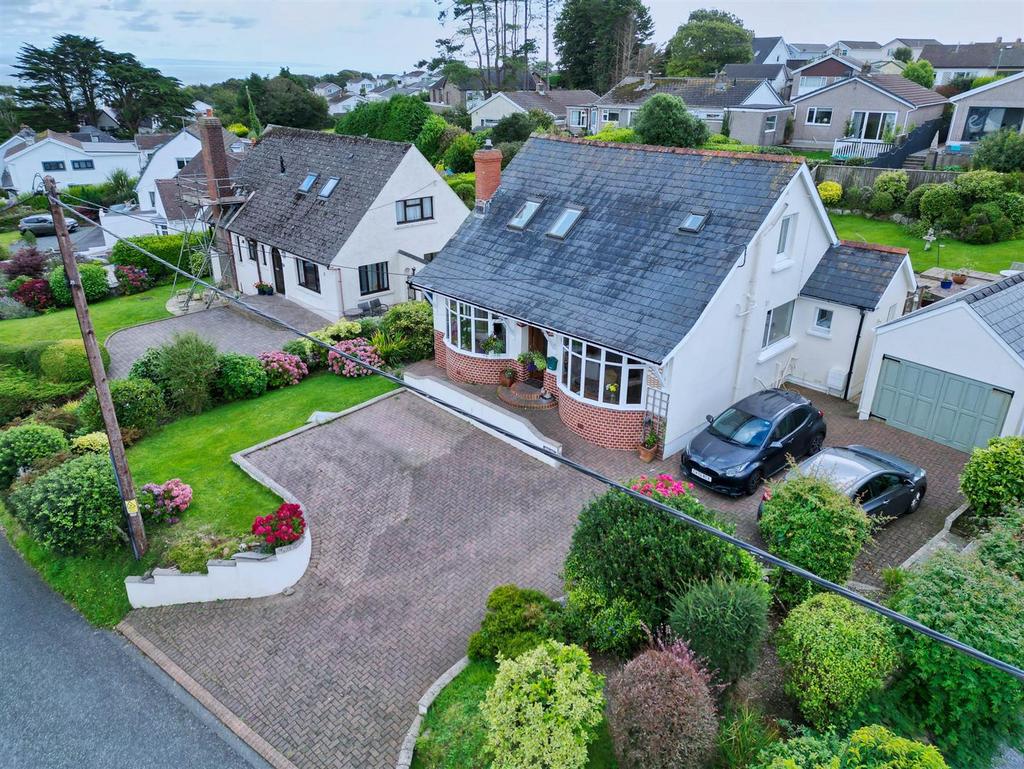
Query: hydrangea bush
pixel 165 502
pixel 131 279
pixel 282 527
pixel 358 347
pixel 283 369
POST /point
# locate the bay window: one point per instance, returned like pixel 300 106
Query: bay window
pixel 469 327
pixel 599 375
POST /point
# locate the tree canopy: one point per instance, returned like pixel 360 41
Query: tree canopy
pixel 285 102
pixel 921 72
pixel 708 41
pixel 400 119
pixel 903 54
pixel 664 120
pixel 601 41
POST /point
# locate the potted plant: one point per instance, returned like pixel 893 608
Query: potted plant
pixel 508 376
pixel 648 445
pixel 947 280
pixel 492 345
pixel 263 288
pixel 960 276
pixel 533 360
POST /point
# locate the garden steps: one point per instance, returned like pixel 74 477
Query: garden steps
pixel 525 395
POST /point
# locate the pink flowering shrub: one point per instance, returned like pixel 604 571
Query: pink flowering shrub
pixel 282 369
pixel 280 528
pixel 358 347
pixel 165 502
pixel 663 484
pixel 131 279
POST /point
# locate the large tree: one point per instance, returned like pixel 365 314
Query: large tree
pixel 48 90
pixel 664 120
pixel 83 57
pixel 601 41
pixel 139 92
pixel 708 41
pixel 921 72
pixel 497 33
pixel 284 102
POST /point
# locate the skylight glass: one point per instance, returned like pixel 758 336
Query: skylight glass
pixel 694 221
pixel 328 188
pixel 565 222
pixel 524 215
pixel 308 182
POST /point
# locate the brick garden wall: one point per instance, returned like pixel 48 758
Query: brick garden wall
pixel 469 368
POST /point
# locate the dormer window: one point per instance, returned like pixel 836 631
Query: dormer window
pixel 524 214
pixel 694 221
pixel 328 188
pixel 308 182
pixel 565 222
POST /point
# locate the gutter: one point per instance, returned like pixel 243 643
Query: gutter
pixel 853 356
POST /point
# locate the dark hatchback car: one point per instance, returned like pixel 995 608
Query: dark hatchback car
pixel 885 485
pixel 42 224
pixel 752 440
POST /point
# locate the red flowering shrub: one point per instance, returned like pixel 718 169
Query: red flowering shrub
pixel 282 369
pixel 663 484
pixel 280 528
pixel 131 279
pixel 358 347
pixel 35 294
pixel 28 261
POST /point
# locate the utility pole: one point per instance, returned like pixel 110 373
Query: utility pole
pixel 125 485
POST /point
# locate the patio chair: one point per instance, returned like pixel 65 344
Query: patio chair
pixel 377 307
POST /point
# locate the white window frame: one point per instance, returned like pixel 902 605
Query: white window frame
pixel 457 314
pixel 585 352
pixel 812 82
pixel 181 162
pixel 774 120
pixel 787 226
pixel 606 119
pixel 864 122
pixel 581 118
pixel 766 340
pixel 152 198
pixel 808 120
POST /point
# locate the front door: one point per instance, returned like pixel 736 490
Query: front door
pixel 537 342
pixel 275 256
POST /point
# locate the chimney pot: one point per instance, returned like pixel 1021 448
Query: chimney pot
pixel 487 163
pixel 999 40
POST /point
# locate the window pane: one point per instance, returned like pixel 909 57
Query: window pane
pixel 591 379
pixel 428 208
pixel 575 364
pixel 613 357
pixel 498 330
pixel 524 214
pixel 824 319
pixel 783 235
pixel 453 328
pixel 577 347
pixel 564 222
pixel 612 384
pixel 465 334
pixel 480 334
pixel 565 366
pixel 779 323
pixel 308 182
pixel 594 353
pixel 873 126
pixel 635 386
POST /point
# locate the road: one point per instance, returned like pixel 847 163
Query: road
pixel 75 696
pixel 85 237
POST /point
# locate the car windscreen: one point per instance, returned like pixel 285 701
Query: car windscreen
pixel 740 427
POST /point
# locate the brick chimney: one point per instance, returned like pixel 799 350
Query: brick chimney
pixel 215 156
pixel 488 173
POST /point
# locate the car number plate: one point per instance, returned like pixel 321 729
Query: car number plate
pixel 702 476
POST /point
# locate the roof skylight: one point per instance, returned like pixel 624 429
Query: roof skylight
pixel 524 215
pixel 328 188
pixel 694 221
pixel 565 222
pixel 308 182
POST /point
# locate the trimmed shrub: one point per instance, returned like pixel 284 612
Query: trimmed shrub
pixel 239 129
pixel 938 203
pixel 138 404
pixel 22 445
pixel 165 502
pixel 830 193
pixel 895 183
pixel 96 442
pixel 993 478
pixel 664 120
pixel 977 228
pixel 875 747
pixel 62 417
pixel 188 367
pixel 517 619
pixel 912 204
pixel 34 294
pixel 516 127
pixel 94 283
pixel 21 392
pixel 1001 151
pixel 805 750
pixel 590 619
pixel 415 322
pixel 661 713
pixel 979 186
pixel 132 280
pixel 66 361
pixel 626 548
pixel 836 655
pixel 282 527
pixel 968 708
pixel 808 521
pixel 543 709
pixel 11 308
pixel 881 203
pixel 73 507
pixel 617 135
pixel 1002 547
pixel 282 369
pixel 459 155
pixel 166 247
pixel 1012 206
pixel 239 377
pixel 724 624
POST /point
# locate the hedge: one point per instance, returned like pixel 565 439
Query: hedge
pixel 22 445
pixel 167 247
pixel 94 283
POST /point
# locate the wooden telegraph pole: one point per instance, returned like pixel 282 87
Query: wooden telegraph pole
pixel 136 530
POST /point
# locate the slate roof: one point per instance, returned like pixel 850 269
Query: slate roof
pixel 916 42
pixel 152 141
pixel 762 47
pixel 895 85
pixel 755 71
pixel 854 274
pixel 695 91
pixel 624 277
pixel 304 225
pixel 175 209
pixel 994 55
pixel 86 134
pixel 556 102
pixel 860 43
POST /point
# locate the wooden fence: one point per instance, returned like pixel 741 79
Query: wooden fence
pixel 864 176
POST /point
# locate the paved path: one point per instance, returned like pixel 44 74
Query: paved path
pixel 77 697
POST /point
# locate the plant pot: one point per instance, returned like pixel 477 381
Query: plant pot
pixel 507 379
pixel 646 454
pixel 946 283
pixel 959 278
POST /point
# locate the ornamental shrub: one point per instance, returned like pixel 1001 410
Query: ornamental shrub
pixel 239 377
pixel 1002 547
pixel 131 279
pixel 664 120
pixel 34 294
pixel 280 528
pixel 977 228
pixel 881 203
pixel 517 619
pixel 626 548
pixel 28 261
pixel 96 442
pixel 968 708
pixel 415 322
pixel 807 749
pixel 459 155
pixel 895 183
pixel 993 478
pixel 448 137
pixel 912 204
pixel 165 502
pixel 72 507
pixel 94 283
pixel 22 445
pixel 359 348
pixel 600 624
pixel 940 202
pixel 744 733
pixel 617 135
pixel 835 655
pixel 1012 206
pixel 808 521
pixel 516 127
pixel 543 709
pixel 11 308
pixel 282 369
pixel 508 151
pixel 724 624
pixel 661 712
pixel 830 193
pixel 191 550
pixel 979 186
pixel 1001 151
pixel 239 129
pixel 138 404
pixel 66 361
pixel 875 747
pixel 188 367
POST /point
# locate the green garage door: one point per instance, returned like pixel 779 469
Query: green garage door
pixel 954 410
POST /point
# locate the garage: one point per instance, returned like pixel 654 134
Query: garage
pixel 951 409
pixel 952 372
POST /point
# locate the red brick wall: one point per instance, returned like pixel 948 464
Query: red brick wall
pixel 487 164
pixel 609 428
pixel 439 349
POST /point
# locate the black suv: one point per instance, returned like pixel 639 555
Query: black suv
pixel 752 440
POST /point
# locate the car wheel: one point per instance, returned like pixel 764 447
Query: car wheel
pixel 815 445
pixel 915 501
pixel 753 482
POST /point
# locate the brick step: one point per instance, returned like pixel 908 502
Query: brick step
pixel 525 396
pixel 529 390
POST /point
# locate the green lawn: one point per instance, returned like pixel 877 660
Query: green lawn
pixel 6 238
pixel 452 734
pixel 949 254
pixel 198 450
pixel 107 317
pixel 812 154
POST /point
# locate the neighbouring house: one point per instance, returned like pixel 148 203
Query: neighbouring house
pixel 659 295
pixel 860 116
pixel 385 79
pixel 466 93
pixel 362 85
pixel 822 72
pixel 23 138
pixel 331 222
pixel 769 50
pixel 554 102
pixel 67 160
pixel 778 75
pixel 802 53
pixel 757 113
pixel 200 107
pixel 997 106
pixel 410 78
pixel 887 67
pixel 953 371
pixel 915 44
pixel 861 50
pixel 328 89
pixel 343 102
pixel 970 60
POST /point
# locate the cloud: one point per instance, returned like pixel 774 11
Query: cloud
pixel 142 22
pixel 236 22
pixel 420 10
pixel 188 17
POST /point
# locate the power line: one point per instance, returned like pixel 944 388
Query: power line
pixel 763 555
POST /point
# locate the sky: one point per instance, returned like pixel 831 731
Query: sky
pixel 196 40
